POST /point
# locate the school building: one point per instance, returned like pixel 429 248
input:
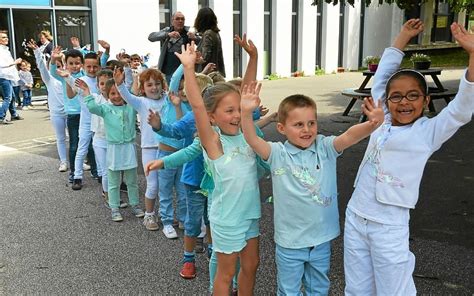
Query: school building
pixel 291 35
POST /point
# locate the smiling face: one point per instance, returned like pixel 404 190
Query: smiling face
pixel 91 66
pixel 406 111
pixel 227 113
pixel 152 89
pixel 115 97
pixel 24 66
pixel 101 82
pixel 3 39
pixel 300 126
pixel 73 64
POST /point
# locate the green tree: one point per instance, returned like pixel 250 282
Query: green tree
pixel 456 5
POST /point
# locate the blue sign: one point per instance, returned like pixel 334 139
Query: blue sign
pixel 25 2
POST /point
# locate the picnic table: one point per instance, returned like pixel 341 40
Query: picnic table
pixel 438 91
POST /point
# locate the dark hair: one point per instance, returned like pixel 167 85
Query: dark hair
pixel 73 53
pixel 292 102
pixel 135 56
pixel 205 20
pixel 108 85
pixel 420 79
pixel 105 72
pixel 112 64
pixel 91 56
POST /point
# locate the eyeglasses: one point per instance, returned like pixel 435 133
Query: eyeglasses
pixel 397 98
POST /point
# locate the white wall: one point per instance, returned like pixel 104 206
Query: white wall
pixel 330 38
pixel 281 37
pixel 189 8
pixel 351 36
pixel 118 24
pixel 253 25
pixel 378 28
pixel 223 10
pixel 307 37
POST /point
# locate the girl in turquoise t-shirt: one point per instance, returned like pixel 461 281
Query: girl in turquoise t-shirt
pixel 235 208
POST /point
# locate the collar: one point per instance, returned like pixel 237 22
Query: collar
pixel 4 47
pixel 292 149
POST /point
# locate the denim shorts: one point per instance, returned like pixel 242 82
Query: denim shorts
pixel 197 209
pixel 231 239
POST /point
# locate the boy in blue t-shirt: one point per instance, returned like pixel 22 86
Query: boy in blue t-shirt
pixel 303 171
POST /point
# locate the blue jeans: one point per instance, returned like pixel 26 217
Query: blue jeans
pixel 197 209
pixel 8 104
pixel 26 97
pixel 167 179
pixel 73 131
pixel 310 265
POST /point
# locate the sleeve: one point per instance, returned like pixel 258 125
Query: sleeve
pixel 104 59
pixel 159 36
pixel 93 107
pixel 183 128
pixel 276 149
pixel 389 64
pixel 128 77
pixel 134 101
pixel 327 144
pixel 41 64
pixel 52 70
pixel 457 113
pixel 184 155
pixel 176 78
pixel 207 45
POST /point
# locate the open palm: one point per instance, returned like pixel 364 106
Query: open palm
pixel 463 37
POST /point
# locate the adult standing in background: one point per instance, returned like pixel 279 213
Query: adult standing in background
pixel 46 44
pixel 210 45
pixel 172 38
pixel 8 74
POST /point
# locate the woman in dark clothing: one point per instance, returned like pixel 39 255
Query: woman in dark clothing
pixel 210 45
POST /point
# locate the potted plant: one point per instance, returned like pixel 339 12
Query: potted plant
pixel 420 61
pixel 372 62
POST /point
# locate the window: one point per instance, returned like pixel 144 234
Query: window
pixel 165 13
pixel 267 37
pixel 442 19
pixel 237 31
pixel 73 24
pixel 72 3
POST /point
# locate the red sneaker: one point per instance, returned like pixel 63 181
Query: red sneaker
pixel 188 271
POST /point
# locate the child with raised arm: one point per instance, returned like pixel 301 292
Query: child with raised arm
pixel 119 121
pixel 377 259
pixel 153 86
pixel 235 209
pixel 304 187
pixel 55 103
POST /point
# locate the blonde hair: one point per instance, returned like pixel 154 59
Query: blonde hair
pixel 216 76
pixel 203 81
pixel 213 95
pixel 237 82
pixel 47 35
pixel 292 102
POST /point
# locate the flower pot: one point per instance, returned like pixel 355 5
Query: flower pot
pixel 424 65
pixel 373 67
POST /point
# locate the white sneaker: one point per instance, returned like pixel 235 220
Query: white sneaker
pixel 169 232
pixel 86 167
pixel 63 166
pixel 25 108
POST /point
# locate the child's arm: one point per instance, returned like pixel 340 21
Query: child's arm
pixel 40 62
pixel 356 133
pixel 251 71
pixel 267 120
pixel 185 127
pixel 176 78
pixel 392 58
pixel 55 56
pixel 105 56
pixel 134 101
pixel 176 101
pixel 209 138
pixel 466 40
pixel 249 101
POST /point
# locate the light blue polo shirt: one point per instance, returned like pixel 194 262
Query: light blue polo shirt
pixel 304 193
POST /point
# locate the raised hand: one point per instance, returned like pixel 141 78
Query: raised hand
pixel 263 110
pixel 154 119
pixel 175 99
pixel 63 73
pixel 104 44
pixel 119 75
pixel 250 97
pixel 248 46
pixel 75 42
pixel 209 68
pixel 375 114
pixel 410 29
pixel 56 53
pixel 18 61
pixel 83 86
pixel 463 37
pixel 153 165
pixel 32 44
pixel 187 55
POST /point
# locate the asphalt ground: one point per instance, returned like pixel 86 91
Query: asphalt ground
pixel 56 241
